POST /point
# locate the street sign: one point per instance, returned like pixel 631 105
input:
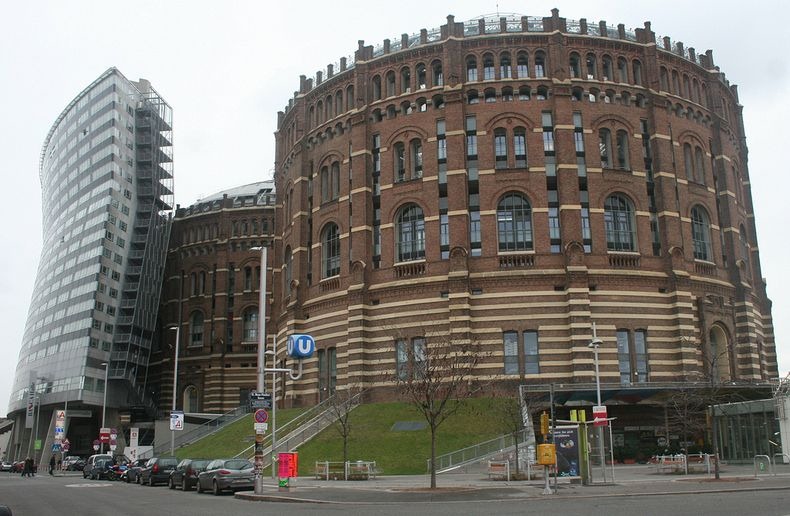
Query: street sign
pixel 300 346
pixel 261 416
pixel 113 433
pixel 104 435
pixel 55 447
pixel 177 420
pixel 66 445
pixel 599 415
pixel 260 400
pixel 134 435
pixel 96 444
pixel 260 428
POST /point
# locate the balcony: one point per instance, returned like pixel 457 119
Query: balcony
pixel 705 268
pixel 330 284
pixel 409 269
pixel 623 261
pixel 516 261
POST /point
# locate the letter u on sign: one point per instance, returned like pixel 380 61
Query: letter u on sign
pixel 300 346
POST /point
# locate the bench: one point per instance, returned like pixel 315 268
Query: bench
pixel 499 468
pixel 356 470
pixel 360 470
pixel 330 470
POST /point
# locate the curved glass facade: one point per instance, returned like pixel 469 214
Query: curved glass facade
pixel 106 179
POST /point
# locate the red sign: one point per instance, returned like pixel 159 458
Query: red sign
pixel 261 416
pixel 288 465
pixel 599 416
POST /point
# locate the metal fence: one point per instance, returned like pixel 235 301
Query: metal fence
pixel 478 452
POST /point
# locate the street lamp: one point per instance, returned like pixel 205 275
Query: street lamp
pixel 104 403
pixel 261 376
pixel 595 343
pixel 175 385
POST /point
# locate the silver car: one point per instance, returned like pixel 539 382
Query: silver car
pixel 226 475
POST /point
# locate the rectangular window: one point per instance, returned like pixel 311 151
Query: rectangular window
pixel 520 148
pixel 640 355
pixel 624 357
pixel 510 339
pixel 475 236
pixel 401 359
pixel 410 359
pixel 531 358
pixel 500 149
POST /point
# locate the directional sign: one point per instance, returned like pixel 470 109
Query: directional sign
pixel 260 400
pixel 104 435
pixel 599 415
pixel 300 346
pixel 176 420
pixel 261 416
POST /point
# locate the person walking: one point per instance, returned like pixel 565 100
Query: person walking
pixel 52 465
pixel 31 467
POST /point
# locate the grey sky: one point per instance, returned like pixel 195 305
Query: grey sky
pixel 226 68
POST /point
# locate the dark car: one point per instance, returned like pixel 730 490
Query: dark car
pixel 186 473
pixel 132 473
pixel 157 470
pixel 226 475
pixel 96 466
pixel 73 463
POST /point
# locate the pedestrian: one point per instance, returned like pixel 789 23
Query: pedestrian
pixel 52 465
pixel 31 468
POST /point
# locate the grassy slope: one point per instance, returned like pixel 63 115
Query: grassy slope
pixel 232 439
pixel 371 438
pixel 399 453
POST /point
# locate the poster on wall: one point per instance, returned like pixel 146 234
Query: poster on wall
pixel 566 440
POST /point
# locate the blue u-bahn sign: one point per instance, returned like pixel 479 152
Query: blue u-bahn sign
pixel 300 346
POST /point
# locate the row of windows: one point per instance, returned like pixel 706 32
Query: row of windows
pixel 249 326
pixel 197 280
pixel 515 231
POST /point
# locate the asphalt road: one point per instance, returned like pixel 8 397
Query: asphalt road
pixel 65 496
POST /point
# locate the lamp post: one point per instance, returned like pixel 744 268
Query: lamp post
pixel 261 376
pixel 104 402
pixel 595 343
pixel 175 385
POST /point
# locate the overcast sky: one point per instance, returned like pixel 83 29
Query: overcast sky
pixel 226 68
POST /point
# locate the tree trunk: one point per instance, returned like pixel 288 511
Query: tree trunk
pixel 715 430
pixel 433 457
pixel 515 438
pixel 345 447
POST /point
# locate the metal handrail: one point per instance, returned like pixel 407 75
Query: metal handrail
pixel 204 430
pixel 474 453
pixel 767 458
pixel 783 455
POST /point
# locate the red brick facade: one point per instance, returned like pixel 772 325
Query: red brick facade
pixel 673 268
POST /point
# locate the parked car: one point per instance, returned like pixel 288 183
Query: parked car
pixel 157 470
pixel 132 473
pixel 226 475
pixel 186 473
pixel 6 466
pixel 96 466
pixel 73 463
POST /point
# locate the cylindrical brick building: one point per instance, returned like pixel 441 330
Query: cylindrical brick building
pixel 513 181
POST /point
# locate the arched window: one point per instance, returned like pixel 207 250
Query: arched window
pixel 505 66
pixel 437 76
pixel 524 92
pixel 664 79
pixel 623 161
pixel 247 278
pixel 577 94
pixel 405 80
pixel 329 109
pixel 310 117
pixel 542 93
pixel 415 148
pixel 622 69
pixel 675 82
pixel 196 329
pixel 288 272
pixel 350 102
pixel 250 321
pixel 500 148
pixel 699 166
pixel 490 95
pixel 514 223
pixel 191 399
pixel 410 234
pixel 471 97
pixel 745 252
pixel 507 94
pixel 605 147
pixel 202 282
pixel 422 76
pixel 637 68
pixel 574 65
pixel 608 68
pixel 700 234
pixel 688 161
pixel 488 67
pixel 319 113
pixel 540 64
pixel 400 162
pixel 390 80
pixel 522 65
pixel 719 359
pixel 471 69
pixel 330 251
pixel 377 87
pixel 686 86
pixel 619 224
pixel 590 66
pixel 193 287
pixel 338 102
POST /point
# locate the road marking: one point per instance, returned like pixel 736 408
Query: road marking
pixel 88 485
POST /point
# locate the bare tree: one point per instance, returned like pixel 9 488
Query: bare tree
pixel 434 373
pixel 340 406
pixel 509 413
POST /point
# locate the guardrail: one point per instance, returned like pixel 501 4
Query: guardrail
pixel 470 454
pixel 204 430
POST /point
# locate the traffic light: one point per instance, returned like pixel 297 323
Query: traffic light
pixel 544 424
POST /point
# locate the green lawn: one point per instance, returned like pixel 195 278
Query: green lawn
pixel 232 439
pixel 371 437
pixel 401 452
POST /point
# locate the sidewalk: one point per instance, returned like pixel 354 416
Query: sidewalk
pixel 630 480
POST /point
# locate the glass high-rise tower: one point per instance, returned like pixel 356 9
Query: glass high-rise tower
pixel 107 194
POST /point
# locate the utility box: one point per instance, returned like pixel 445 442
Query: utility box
pixel 546 454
